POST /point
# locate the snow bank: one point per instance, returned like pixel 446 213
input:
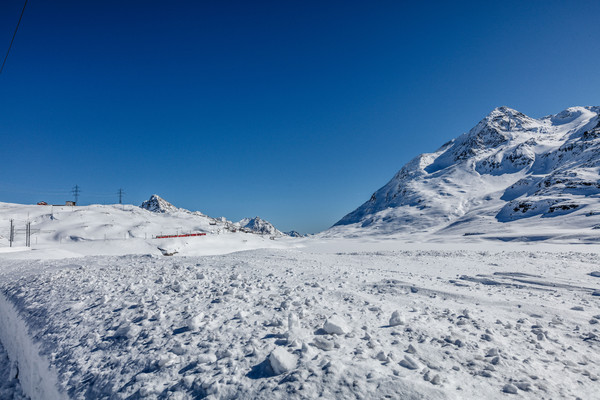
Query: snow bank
pixel 37 379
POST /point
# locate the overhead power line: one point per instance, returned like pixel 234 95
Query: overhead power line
pixel 13 38
pixel 35 192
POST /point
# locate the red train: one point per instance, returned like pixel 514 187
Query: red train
pixel 176 236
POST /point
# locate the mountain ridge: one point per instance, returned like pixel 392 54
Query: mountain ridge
pixel 255 225
pixel 260 226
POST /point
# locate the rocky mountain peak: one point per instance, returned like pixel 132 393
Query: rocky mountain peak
pixel 506 119
pixel 159 205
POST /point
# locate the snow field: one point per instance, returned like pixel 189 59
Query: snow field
pixel 294 324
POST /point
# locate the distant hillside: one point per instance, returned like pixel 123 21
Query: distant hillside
pixel 123 229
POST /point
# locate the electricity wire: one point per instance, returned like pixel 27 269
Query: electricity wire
pixel 13 38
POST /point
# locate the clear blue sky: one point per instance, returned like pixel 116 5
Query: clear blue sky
pixel 293 111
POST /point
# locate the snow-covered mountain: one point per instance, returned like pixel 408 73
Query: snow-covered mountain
pixel 260 226
pixel 509 175
pixel 157 204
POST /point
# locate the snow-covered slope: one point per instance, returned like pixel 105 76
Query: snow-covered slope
pixel 510 176
pixel 64 231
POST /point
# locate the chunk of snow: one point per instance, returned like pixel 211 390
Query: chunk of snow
pixel 127 330
pixel 241 315
pixel 195 322
pixel 409 362
pixel 336 325
pixel 509 388
pixel 293 322
pixel 396 319
pixel 323 343
pixel 206 358
pixel 282 361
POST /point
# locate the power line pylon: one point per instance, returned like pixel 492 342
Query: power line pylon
pixel 121 193
pixel 76 192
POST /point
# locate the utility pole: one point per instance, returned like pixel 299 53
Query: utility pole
pixel 11 237
pixel 76 192
pixel 121 193
pixel 28 234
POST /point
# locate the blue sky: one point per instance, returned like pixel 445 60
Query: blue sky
pixel 293 111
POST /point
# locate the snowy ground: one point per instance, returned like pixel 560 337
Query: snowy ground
pixel 331 320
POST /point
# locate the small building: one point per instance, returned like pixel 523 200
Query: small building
pixel 42 203
pixel 70 203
